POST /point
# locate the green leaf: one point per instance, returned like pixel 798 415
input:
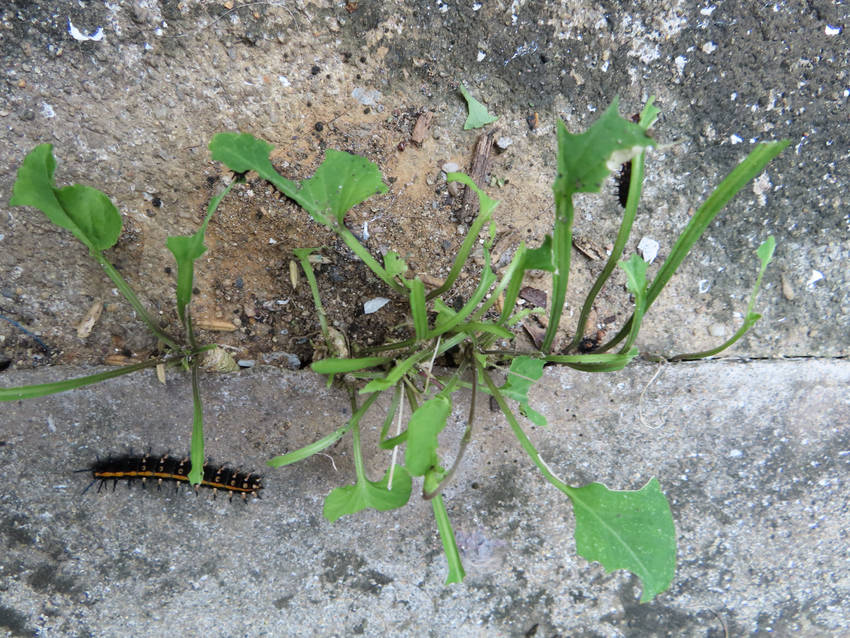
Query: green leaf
pixel 196 450
pixel 417 307
pixel 373 494
pixel 394 265
pixel 478 115
pixel 242 152
pixel 540 258
pixel 186 249
pixel 447 535
pixel 55 387
pixel 341 182
pixel 425 424
pixel 630 530
pixel 309 450
pixel 343 366
pixel 586 159
pixel 594 362
pixel 524 372
pixel 83 210
pixel 765 251
pixel 487 203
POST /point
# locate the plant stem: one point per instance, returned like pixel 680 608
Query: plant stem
pixel 366 257
pixel 130 296
pixel 562 246
pixel 620 243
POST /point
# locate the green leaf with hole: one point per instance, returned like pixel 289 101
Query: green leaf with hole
pixel 83 210
pixel 369 494
pixel 478 115
pixel 425 424
pixel 586 159
pixel 630 530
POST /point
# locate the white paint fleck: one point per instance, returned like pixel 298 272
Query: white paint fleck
pixel 648 249
pixel 284 80
pixel 707 11
pixel 78 35
pixel 374 305
pixel 736 453
pixel 476 6
pixel 272 241
pixel 816 276
pixel 709 47
pixel 734 139
pixel 481 55
pixel 831 30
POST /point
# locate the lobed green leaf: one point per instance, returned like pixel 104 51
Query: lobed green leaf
pixel 630 530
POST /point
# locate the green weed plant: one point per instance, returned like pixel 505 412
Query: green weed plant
pixel 630 530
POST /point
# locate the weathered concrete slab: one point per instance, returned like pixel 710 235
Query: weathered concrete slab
pixel 753 456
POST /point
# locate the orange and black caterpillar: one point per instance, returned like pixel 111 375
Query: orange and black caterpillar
pixel 172 468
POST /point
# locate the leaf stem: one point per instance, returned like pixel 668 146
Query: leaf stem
pixel 131 297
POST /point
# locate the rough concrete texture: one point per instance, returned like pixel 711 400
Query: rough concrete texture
pixel 132 114
pixel 753 457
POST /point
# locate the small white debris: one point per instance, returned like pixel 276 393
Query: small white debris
pixel 47 110
pixel 374 305
pixel 736 453
pixel 707 11
pixel 680 62
pixel 814 277
pixel 709 47
pixel 366 97
pixel 481 56
pixel 272 241
pixel 78 35
pixel 648 249
pixel 734 139
pixel 366 231
pixel 704 286
pixel 504 142
pixel 717 330
pixel 476 6
pixel 450 167
pixel 284 80
pixel 831 30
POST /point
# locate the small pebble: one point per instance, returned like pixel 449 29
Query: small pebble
pixel 504 142
pixel 450 167
pixel 455 188
pixel 246 363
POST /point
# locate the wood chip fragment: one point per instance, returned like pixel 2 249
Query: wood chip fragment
pixel 478 169
pixel 589 248
pixel 216 325
pixel 420 130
